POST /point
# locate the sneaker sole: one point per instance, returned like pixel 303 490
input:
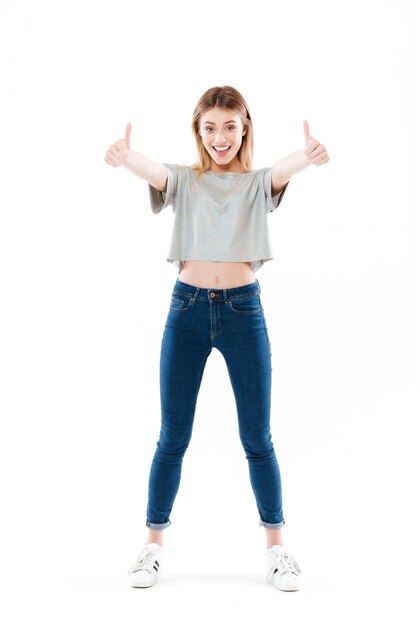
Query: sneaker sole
pixel 143 586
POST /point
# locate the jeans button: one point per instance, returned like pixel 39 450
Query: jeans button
pixel 212 295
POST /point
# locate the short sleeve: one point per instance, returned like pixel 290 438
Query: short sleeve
pixel 272 202
pixel 161 199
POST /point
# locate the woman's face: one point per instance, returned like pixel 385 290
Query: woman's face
pixel 221 131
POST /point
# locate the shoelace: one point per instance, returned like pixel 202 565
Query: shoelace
pixel 145 561
pixel 285 564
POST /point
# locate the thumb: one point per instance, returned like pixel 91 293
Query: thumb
pixel 127 135
pixel 306 133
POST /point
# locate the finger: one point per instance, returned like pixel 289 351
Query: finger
pixel 112 160
pixel 321 157
pixel 127 133
pixel 306 132
pixel 121 148
pixel 320 151
pixel 315 148
pixel 324 159
pixel 314 143
pixel 114 155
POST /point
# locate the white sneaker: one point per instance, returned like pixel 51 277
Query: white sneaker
pixel 145 571
pixel 281 569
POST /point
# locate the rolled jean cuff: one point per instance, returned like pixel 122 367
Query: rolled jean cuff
pixel 158 526
pixel 269 525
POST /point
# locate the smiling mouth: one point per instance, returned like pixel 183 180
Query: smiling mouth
pixel 221 149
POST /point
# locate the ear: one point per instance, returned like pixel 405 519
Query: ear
pixel 244 131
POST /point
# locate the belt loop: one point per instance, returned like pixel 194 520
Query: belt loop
pixel 259 287
pixel 197 291
pixel 225 295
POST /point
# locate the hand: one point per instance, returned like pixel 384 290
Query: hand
pixel 314 150
pixel 117 152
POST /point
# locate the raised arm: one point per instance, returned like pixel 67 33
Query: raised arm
pixel 313 153
pixel 120 153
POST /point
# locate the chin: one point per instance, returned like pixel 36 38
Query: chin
pixel 222 161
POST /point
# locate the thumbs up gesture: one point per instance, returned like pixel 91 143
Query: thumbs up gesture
pixel 118 151
pixel 314 150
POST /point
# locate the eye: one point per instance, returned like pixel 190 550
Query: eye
pixel 208 129
pixel 231 127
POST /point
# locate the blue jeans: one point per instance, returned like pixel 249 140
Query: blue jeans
pixel 233 321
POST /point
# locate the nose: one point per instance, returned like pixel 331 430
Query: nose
pixel 220 137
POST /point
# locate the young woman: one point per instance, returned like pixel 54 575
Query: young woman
pixel 220 239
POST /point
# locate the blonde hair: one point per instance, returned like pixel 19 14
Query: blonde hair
pixel 225 98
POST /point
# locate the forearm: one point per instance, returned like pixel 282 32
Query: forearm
pixel 139 164
pixel 290 165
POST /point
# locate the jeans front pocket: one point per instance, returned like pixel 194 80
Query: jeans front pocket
pixel 247 304
pixel 180 302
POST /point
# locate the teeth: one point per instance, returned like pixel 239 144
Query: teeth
pixel 221 149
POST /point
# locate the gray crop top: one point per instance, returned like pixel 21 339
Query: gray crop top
pixel 221 217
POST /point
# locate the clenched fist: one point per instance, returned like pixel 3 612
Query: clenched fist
pixel 314 150
pixel 117 152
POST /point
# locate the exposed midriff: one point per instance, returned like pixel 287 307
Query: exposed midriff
pixel 218 275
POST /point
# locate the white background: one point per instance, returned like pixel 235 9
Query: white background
pixel 85 289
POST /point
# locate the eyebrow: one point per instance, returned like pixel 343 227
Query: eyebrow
pixel 234 122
